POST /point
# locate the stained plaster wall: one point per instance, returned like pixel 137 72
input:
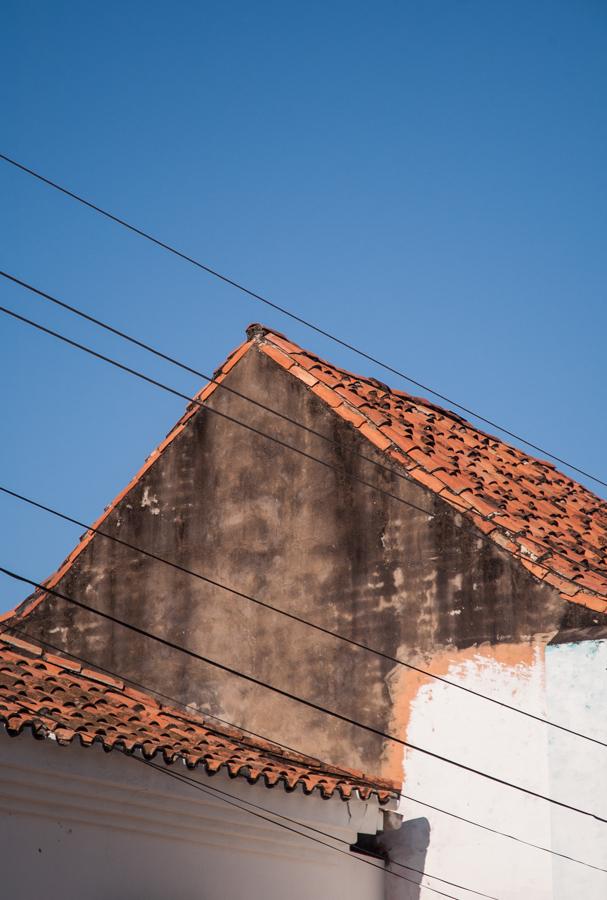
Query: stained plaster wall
pixel 279 526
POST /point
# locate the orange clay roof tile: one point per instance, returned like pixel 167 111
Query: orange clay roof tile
pixel 96 707
pixel 351 416
pixel 278 356
pixel 328 395
pixel 428 480
pixel 232 359
pixel 303 375
pixel 375 435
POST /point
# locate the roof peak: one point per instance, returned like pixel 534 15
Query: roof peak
pixel 256 331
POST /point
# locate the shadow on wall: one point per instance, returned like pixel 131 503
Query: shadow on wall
pixel 403 847
pixel 407 845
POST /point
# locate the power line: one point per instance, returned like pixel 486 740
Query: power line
pixel 309 703
pixel 189 780
pixel 94 353
pixel 294 617
pixel 238 593
pixel 223 795
pixel 194 400
pixel 176 362
pixel 355 350
pixel 195 709
pixel 225 387
pixel 286 312
pixel 228 798
pixel 341 471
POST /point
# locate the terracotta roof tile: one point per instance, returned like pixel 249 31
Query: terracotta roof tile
pixel 303 375
pixel 233 358
pixel 403 460
pixel 324 375
pixel 377 416
pixel 305 360
pixel 592 602
pixel 278 356
pixel 455 483
pixel 375 436
pixel 352 398
pixel 327 394
pixel 96 707
pixel 281 341
pixel 428 480
pixel 526 505
pixel 351 416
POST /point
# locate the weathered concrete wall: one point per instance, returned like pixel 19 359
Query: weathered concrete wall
pixel 271 523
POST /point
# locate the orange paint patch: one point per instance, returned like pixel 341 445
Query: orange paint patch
pixel 405 687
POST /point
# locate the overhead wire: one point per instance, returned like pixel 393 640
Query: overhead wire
pixel 311 704
pixel 211 409
pixel 354 349
pixel 8 627
pixel 189 780
pixel 294 617
pixel 237 803
pixel 286 312
pixel 234 591
pixel 222 386
pixel 340 470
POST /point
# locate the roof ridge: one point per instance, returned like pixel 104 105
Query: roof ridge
pixel 262 332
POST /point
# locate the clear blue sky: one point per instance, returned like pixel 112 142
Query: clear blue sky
pixel 427 180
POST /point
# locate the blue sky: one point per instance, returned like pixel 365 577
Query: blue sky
pixel 426 180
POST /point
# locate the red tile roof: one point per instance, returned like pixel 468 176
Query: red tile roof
pixel 556 527
pixel 71 701
pixel 553 525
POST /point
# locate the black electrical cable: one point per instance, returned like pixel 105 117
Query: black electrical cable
pixel 186 779
pixel 286 312
pixel 275 609
pixel 170 359
pixel 290 696
pixel 228 798
pixel 225 387
pixel 216 412
pixel 195 709
pixel 63 516
pixel 193 400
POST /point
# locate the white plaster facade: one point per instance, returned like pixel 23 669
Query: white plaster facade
pixel 80 824
pixel 563 682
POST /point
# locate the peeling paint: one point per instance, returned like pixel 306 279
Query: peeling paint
pixel 150 501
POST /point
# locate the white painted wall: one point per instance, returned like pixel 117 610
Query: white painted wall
pixel 576 679
pixel 78 823
pixel 566 683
